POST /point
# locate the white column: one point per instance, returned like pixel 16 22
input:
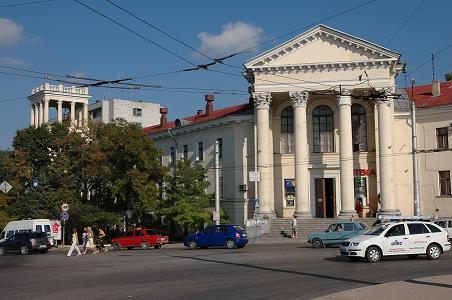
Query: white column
pixel 85 114
pixel 73 121
pixel 262 103
pixel 32 114
pixel 299 101
pixel 36 113
pixel 46 111
pixel 60 111
pixel 41 113
pixel 346 155
pixel 385 120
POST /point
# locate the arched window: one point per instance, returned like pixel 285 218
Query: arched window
pixel 287 130
pixel 323 129
pixel 359 128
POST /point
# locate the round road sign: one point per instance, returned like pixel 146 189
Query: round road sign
pixel 65 207
pixel 64 216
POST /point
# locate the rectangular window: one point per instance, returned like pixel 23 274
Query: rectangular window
pixel 137 112
pixel 441 138
pixel 172 155
pixel 444 183
pixel 200 151
pixel 289 191
pixel 185 153
pixel 220 147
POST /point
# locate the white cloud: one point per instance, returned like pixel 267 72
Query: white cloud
pixel 10 32
pixel 12 62
pixel 234 37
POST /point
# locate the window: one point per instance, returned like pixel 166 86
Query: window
pixel 9 234
pixel 441 138
pixel 444 183
pixel 397 230
pixel 47 228
pixel 220 147
pixel 359 128
pixel 323 129
pixel 287 130
pixel 210 229
pixel 433 228
pixel 130 233
pixel 200 151
pixel 224 229
pixel 138 233
pixel 417 228
pixel 137 112
pixel 185 152
pixel 38 228
pixel 348 227
pixel 151 232
pixel 450 224
pixel 172 155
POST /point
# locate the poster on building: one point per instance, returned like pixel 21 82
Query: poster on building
pixel 55 229
pixel 289 191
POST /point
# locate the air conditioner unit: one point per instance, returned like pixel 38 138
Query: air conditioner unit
pixel 243 188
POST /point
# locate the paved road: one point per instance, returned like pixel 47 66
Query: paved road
pixel 255 272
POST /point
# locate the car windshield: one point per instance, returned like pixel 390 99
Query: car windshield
pixel 377 229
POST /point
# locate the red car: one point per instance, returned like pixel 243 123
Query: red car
pixel 143 238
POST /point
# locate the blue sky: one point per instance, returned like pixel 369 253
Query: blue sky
pixel 63 37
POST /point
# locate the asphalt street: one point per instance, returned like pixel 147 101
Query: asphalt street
pixel 255 272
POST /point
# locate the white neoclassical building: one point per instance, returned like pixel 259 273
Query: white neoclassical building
pixel 60 97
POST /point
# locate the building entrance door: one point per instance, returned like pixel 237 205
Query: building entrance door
pixel 325 198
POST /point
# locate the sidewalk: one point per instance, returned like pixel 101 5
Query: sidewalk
pixel 436 287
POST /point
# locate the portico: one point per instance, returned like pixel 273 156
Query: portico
pixel 60 97
pixel 324 90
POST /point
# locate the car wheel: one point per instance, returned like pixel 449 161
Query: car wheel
pixel 2 251
pixel 158 246
pixel 433 251
pixel 230 244
pixel 373 254
pixel 192 245
pixel 317 243
pixel 24 250
pixel 352 258
pixel 413 256
pixel 144 245
pixel 117 246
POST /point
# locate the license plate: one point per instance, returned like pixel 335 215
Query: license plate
pixel 42 246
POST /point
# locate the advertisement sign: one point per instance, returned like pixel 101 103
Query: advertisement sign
pixel 55 229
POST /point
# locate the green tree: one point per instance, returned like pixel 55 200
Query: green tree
pixel 186 202
pixel 448 76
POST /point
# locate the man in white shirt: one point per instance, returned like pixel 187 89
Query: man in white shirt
pixel 294 227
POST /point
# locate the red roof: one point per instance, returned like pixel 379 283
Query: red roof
pixel 216 114
pixel 423 96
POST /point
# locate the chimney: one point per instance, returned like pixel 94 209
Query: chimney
pixel 436 89
pixel 163 120
pixel 209 104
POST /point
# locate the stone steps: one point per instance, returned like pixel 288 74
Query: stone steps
pixel 282 227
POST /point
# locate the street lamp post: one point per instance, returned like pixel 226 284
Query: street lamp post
pixel 417 205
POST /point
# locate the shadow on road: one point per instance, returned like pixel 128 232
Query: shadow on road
pixel 276 270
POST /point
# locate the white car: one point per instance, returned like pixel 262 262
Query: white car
pixel 401 238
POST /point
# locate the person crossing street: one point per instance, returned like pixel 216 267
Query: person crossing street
pixel 74 243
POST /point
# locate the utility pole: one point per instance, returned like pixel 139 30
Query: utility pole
pixel 417 205
pixel 217 183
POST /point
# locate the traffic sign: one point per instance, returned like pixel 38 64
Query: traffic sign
pixel 65 207
pixel 64 216
pixel 56 229
pixel 35 183
pixel 5 187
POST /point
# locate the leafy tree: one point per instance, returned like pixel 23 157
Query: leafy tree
pixel 448 76
pixel 186 201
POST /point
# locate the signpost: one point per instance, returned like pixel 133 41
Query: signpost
pixel 55 230
pixel 64 217
pixel 5 187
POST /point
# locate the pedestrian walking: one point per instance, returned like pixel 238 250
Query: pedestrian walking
pixel 436 215
pixel 74 245
pixel 84 239
pixel 294 227
pixel 101 240
pixel 90 243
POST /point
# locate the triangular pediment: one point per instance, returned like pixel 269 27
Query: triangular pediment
pixel 322 45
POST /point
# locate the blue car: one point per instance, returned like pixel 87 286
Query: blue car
pixel 230 236
pixel 336 234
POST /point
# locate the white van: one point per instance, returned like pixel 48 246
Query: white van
pixel 33 225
